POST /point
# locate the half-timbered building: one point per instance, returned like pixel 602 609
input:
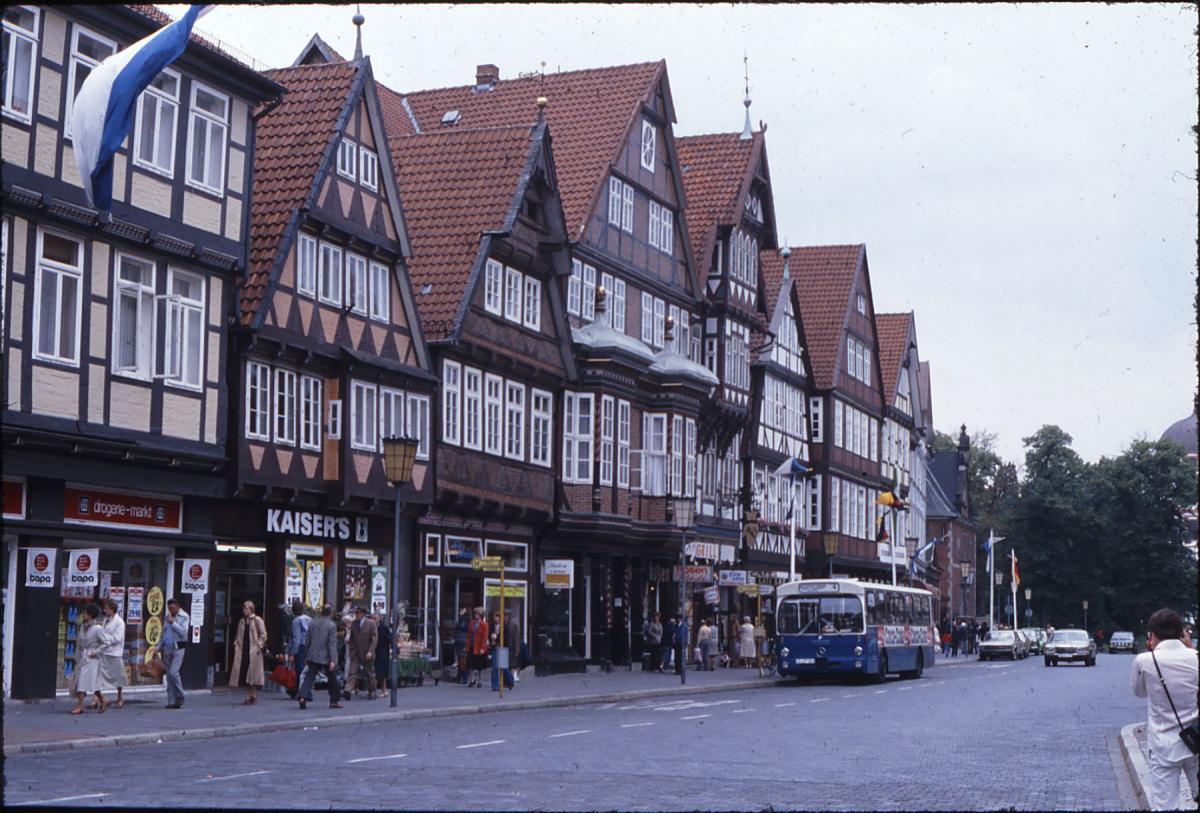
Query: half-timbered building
pixel 846 410
pixel 115 331
pixel 948 518
pixel 328 360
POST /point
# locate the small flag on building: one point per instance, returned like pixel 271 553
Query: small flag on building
pixel 792 466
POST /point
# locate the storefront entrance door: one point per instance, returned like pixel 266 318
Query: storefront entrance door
pixel 232 587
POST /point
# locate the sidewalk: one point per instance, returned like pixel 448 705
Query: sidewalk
pixel 46 726
pixel 1136 753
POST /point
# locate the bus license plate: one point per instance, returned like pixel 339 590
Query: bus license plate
pixel 805 661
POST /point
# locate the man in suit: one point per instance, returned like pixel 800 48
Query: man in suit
pixel 321 656
pixel 364 638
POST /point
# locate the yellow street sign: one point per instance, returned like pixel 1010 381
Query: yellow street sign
pixel 510 591
pixel 486 563
pixel 748 589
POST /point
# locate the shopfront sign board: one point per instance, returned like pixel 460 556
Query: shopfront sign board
pixel 696 573
pixel 308 524
pixel 712 595
pixel 486 563
pixel 83 568
pixel 750 589
pixel 83 505
pixel 293 581
pixel 195 575
pixel 39 567
pixel 703 550
pixel 559 574
pixel 732 578
pixel 378 589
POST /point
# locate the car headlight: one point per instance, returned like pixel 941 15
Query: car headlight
pixel 783 653
pixel 857 651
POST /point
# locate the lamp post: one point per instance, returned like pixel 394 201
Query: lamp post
pixel 1085 626
pixel 831 546
pixel 1028 597
pixel 685 517
pixel 398 456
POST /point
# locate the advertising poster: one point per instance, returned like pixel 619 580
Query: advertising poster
pixel 39 567
pixel 355 587
pixel 195 575
pixel 83 568
pixel 154 601
pixel 314 584
pixel 293 589
pixel 378 589
pixel 117 594
pixel 197 612
pixel 137 571
pixel 135 595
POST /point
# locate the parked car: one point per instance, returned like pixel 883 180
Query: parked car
pixel 1070 645
pixel 1002 644
pixel 1122 642
pixel 1035 637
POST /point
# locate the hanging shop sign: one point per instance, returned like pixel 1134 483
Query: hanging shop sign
pixel 83 568
pixel 732 578
pixel 14 499
pixel 559 574
pixel 83 505
pixel 696 573
pixel 712 595
pixel 195 575
pixel 39 567
pixel 309 524
pixel 710 551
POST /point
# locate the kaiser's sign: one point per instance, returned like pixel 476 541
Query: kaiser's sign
pixel 83 569
pixel 307 524
pixel 195 575
pixel 39 567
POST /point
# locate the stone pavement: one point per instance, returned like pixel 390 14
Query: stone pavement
pixel 1136 754
pixel 46 726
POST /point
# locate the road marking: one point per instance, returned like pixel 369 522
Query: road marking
pixel 819 700
pixel 64 799
pixel 781 705
pixel 904 688
pixel 635 725
pixel 741 711
pixel 572 733
pixel 479 744
pixel 696 717
pixel 233 776
pixel 849 695
pixel 940 682
pixel 924 685
pixel 373 759
pixel 881 691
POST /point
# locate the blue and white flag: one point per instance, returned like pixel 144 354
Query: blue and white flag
pixel 988 543
pixel 104 106
pixel 792 466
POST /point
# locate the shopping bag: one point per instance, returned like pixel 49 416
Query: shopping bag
pixel 285 676
pixel 154 667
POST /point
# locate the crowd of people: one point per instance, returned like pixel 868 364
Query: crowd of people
pixel 478 644
pixel 961 637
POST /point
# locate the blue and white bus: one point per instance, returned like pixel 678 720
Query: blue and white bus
pixel 844 626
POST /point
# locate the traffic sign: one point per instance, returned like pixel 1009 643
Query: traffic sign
pixel 1029 612
pixel 748 589
pixel 486 563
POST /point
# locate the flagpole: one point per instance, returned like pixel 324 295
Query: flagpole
pixel 892 547
pixel 1014 586
pixel 991 581
pixel 792 534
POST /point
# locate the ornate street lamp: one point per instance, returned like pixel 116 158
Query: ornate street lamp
pixel 1085 626
pixel 831 547
pixel 398 456
pixel 685 518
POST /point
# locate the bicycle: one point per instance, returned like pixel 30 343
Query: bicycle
pixel 766 660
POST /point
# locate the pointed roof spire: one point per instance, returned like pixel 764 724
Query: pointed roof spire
pixel 786 253
pixel 358 21
pixel 746 131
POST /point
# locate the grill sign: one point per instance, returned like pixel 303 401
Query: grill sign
pixel 195 575
pixel 39 567
pixel 84 568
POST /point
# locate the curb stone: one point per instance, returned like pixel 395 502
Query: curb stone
pixel 302 723
pixel 1134 762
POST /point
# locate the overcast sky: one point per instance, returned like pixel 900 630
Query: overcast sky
pixel 1024 176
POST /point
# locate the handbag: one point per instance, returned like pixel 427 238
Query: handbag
pixel 1189 734
pixel 154 668
pixel 285 676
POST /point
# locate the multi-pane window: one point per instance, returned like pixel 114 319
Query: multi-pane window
pixel 614 201
pixel 627 209
pixel 347 159
pixel 381 292
pixel 310 413
pixel 154 133
pixel 451 395
pixel 847 511
pixel 472 408
pixel 835 497
pixel 20 57
pixel 575 288
pixel 57 307
pixel 258 401
pixel 512 295
pixel 677 454
pixel 689 459
pixel 816 408
pixel 654 227
pixel 418 423
pixel 874 439
pixel 542 428
pixel 666 234
pixel 607 406
pixel 391 414
pixel 368 166
pixel 623 427
pixel 814 502
pixel 660 322
pixel 364 428
pixel 533 303
pixel 493 405
pixel 614 289
pixel 493 282
pixel 837 424
pixel 647 318
pixel 87 51
pixel 514 420
pixel 206 138
pixel 866 376
pixel 285 407
pixel 330 275
pixel 861 304
pixel 356 283
pixel 649 138
pixel 133 317
pixel 185 328
pixel 306 265
pixel 588 309
pixel 578 412
pixel 654 454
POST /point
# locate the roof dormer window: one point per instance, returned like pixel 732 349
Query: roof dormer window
pixel 347 159
pixel 862 304
pixel 649 139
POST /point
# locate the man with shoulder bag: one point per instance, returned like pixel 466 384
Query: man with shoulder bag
pixel 1166 675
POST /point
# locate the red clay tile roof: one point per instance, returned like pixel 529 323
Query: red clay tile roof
pixel 891 330
pixel 714 169
pixel 290 141
pixel 589 112
pixel 824 278
pixel 455 184
pixel 770 265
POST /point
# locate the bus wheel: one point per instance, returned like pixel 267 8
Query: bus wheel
pixel 915 674
pixel 882 675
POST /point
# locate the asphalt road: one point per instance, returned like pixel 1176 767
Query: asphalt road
pixel 968 736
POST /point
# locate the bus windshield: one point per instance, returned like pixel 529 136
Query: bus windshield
pixel 821 615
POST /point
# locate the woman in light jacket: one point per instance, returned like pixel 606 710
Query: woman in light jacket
pixel 112 655
pixel 746 642
pixel 87 661
pixel 247 666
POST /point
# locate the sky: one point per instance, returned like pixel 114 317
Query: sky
pixel 1023 176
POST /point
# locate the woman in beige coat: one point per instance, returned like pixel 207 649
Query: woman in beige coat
pixel 247 666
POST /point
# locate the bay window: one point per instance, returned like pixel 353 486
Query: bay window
pixel 578 411
pixel 689 459
pixel 607 406
pixel 677 454
pixel 623 427
pixel 654 454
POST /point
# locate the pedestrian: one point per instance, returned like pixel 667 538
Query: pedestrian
pixel 654 636
pixel 112 654
pixel 512 640
pixel 246 668
pixel 89 645
pixel 1166 675
pixel 681 641
pixel 383 651
pixel 972 637
pixel 171 645
pixel 668 639
pixel 320 645
pixel 955 640
pixel 746 643
pixel 364 638
pixel 460 643
pixel 297 649
pixel 946 636
pixel 1099 640
pixel 962 636
pixel 477 647
pixel 704 642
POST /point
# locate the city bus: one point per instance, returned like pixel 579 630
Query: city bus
pixel 844 626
